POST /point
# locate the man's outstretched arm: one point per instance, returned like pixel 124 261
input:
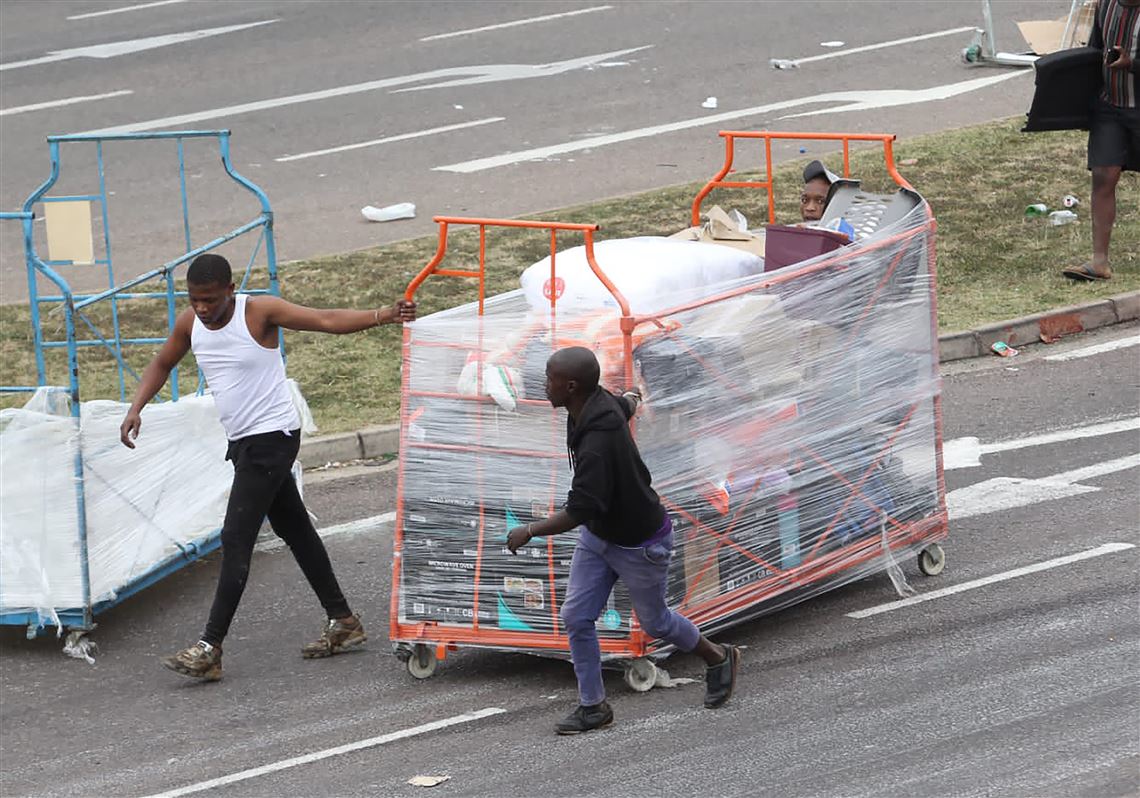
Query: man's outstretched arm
pixel 155 375
pixel 284 314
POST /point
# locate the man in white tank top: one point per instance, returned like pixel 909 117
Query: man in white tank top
pixel 234 339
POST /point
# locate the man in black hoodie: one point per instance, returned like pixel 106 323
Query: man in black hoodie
pixel 627 535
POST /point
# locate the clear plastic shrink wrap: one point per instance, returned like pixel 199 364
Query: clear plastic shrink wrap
pixel 143 506
pixel 789 423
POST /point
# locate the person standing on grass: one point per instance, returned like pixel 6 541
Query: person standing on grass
pixel 1114 126
pixel 627 535
pixel 234 339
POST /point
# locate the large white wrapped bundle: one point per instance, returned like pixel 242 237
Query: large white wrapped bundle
pixel 142 505
pixel 649 271
pixel 39 566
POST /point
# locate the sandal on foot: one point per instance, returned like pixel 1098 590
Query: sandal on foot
pixel 1085 273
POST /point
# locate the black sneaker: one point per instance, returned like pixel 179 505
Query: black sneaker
pixel 584 719
pixel 720 679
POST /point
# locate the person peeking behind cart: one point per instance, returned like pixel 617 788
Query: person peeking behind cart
pixel 816 193
pixel 626 535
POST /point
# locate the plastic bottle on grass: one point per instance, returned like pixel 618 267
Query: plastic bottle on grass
pixel 1036 210
pixel 1058 218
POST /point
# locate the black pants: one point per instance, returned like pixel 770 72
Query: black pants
pixel 264 486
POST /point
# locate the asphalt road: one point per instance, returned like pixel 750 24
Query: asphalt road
pixel 1023 687
pixel 304 76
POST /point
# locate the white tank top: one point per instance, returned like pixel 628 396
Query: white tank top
pixel 246 379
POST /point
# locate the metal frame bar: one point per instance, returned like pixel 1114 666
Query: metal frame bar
pixel 983 47
pixel 83 617
pixel 769 183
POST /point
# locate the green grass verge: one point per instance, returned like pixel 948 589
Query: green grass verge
pixel 992 263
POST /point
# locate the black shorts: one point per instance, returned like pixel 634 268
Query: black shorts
pixel 1114 137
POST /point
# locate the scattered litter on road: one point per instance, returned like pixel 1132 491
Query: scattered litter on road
pixel 1003 349
pixel 665 680
pixel 458 107
pixel 401 210
pixel 709 103
pixel 80 646
pixel 550 697
pixel 782 63
pixel 832 44
pixel 908 162
pixel 427 781
pixel 1059 218
pixel 803 150
pixel 1012 368
pixel 1049 338
pixel 1069 201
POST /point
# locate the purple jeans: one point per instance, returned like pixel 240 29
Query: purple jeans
pixel 596 566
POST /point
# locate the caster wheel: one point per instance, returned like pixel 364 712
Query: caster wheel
pixel 972 54
pixel 641 675
pixel 422 663
pixel 931 560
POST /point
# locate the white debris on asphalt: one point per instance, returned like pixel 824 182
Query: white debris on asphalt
pixel 427 781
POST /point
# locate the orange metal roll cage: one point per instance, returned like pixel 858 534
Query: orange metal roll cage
pixel 730 137
pixel 816 565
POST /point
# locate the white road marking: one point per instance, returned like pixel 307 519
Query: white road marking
pixel 351 528
pixel 1098 469
pixel 113 49
pixel 389 139
pixel 862 99
pixel 515 23
pixel 1095 349
pixel 23 109
pixel 1005 493
pixel 317 756
pixel 463 76
pixel 139 7
pixel 881 45
pixel 966 452
pixel 889 98
pixel 1099 551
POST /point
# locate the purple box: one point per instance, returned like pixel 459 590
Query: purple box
pixel 785 245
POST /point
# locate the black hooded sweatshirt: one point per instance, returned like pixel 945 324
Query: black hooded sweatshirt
pixel 611 492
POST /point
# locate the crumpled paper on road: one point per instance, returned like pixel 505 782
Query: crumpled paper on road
pixel 665 680
pixel 427 781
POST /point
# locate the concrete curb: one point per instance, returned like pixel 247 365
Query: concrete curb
pixel 374 442
pixel 365 444
pixel 1051 323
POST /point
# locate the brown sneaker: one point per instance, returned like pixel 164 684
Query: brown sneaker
pixel 340 634
pixel 200 661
